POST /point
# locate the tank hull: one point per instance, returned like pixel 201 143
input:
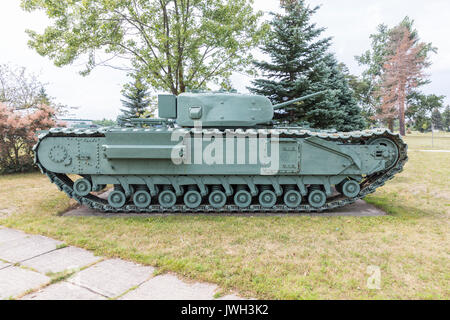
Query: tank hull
pixel 190 170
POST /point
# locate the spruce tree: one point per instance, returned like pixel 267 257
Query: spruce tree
pixel 43 97
pixel 300 65
pixel 135 101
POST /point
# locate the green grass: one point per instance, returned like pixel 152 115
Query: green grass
pixel 292 257
pixel 425 141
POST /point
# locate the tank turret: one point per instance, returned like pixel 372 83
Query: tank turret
pixel 229 110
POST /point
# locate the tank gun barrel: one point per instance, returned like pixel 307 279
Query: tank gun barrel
pixel 284 104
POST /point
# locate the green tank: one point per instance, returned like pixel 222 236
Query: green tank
pixel 217 152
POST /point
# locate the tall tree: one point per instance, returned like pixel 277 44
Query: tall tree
pixel 361 94
pixel 403 71
pixel 173 44
pixel 136 100
pixel 374 61
pixel 21 90
pixel 436 119
pixel 420 107
pixel 299 65
pixel 446 118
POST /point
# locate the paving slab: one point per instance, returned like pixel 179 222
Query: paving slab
pixel 106 279
pixel 7 234
pixel 165 287
pixel 24 248
pixel 63 291
pixel 15 281
pixel 62 259
pixel 112 277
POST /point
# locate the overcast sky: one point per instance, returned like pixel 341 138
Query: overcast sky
pixel 349 22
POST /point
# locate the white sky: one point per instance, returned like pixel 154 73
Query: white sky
pixel 349 22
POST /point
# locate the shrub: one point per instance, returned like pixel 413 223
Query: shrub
pixel 18 135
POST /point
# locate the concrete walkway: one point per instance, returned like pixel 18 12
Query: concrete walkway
pixel 36 267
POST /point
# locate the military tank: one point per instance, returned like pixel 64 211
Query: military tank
pixel 217 152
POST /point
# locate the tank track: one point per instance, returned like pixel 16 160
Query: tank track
pixel 368 185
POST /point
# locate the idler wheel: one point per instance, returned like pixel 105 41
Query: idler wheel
pixel 390 155
pixel 350 188
pixel 217 199
pixel 117 199
pixel 317 198
pixel 192 199
pixel 292 198
pixel 167 198
pixel 82 187
pixel 242 198
pixel 142 199
pixel 267 198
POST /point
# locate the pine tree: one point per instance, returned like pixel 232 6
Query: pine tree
pixel 339 107
pixel 300 65
pixel 135 101
pixel 374 61
pixel 403 71
pixel 43 97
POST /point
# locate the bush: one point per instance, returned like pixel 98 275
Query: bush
pixel 18 135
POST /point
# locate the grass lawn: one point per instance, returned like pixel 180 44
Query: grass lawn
pixel 292 257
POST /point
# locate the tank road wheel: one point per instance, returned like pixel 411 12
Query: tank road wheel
pixel 350 188
pixel 217 198
pixel 292 198
pixel 192 199
pixel 317 198
pixel 117 199
pixel 142 199
pixel 167 198
pixel 82 187
pixel 267 198
pixel 242 198
pixel 390 155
